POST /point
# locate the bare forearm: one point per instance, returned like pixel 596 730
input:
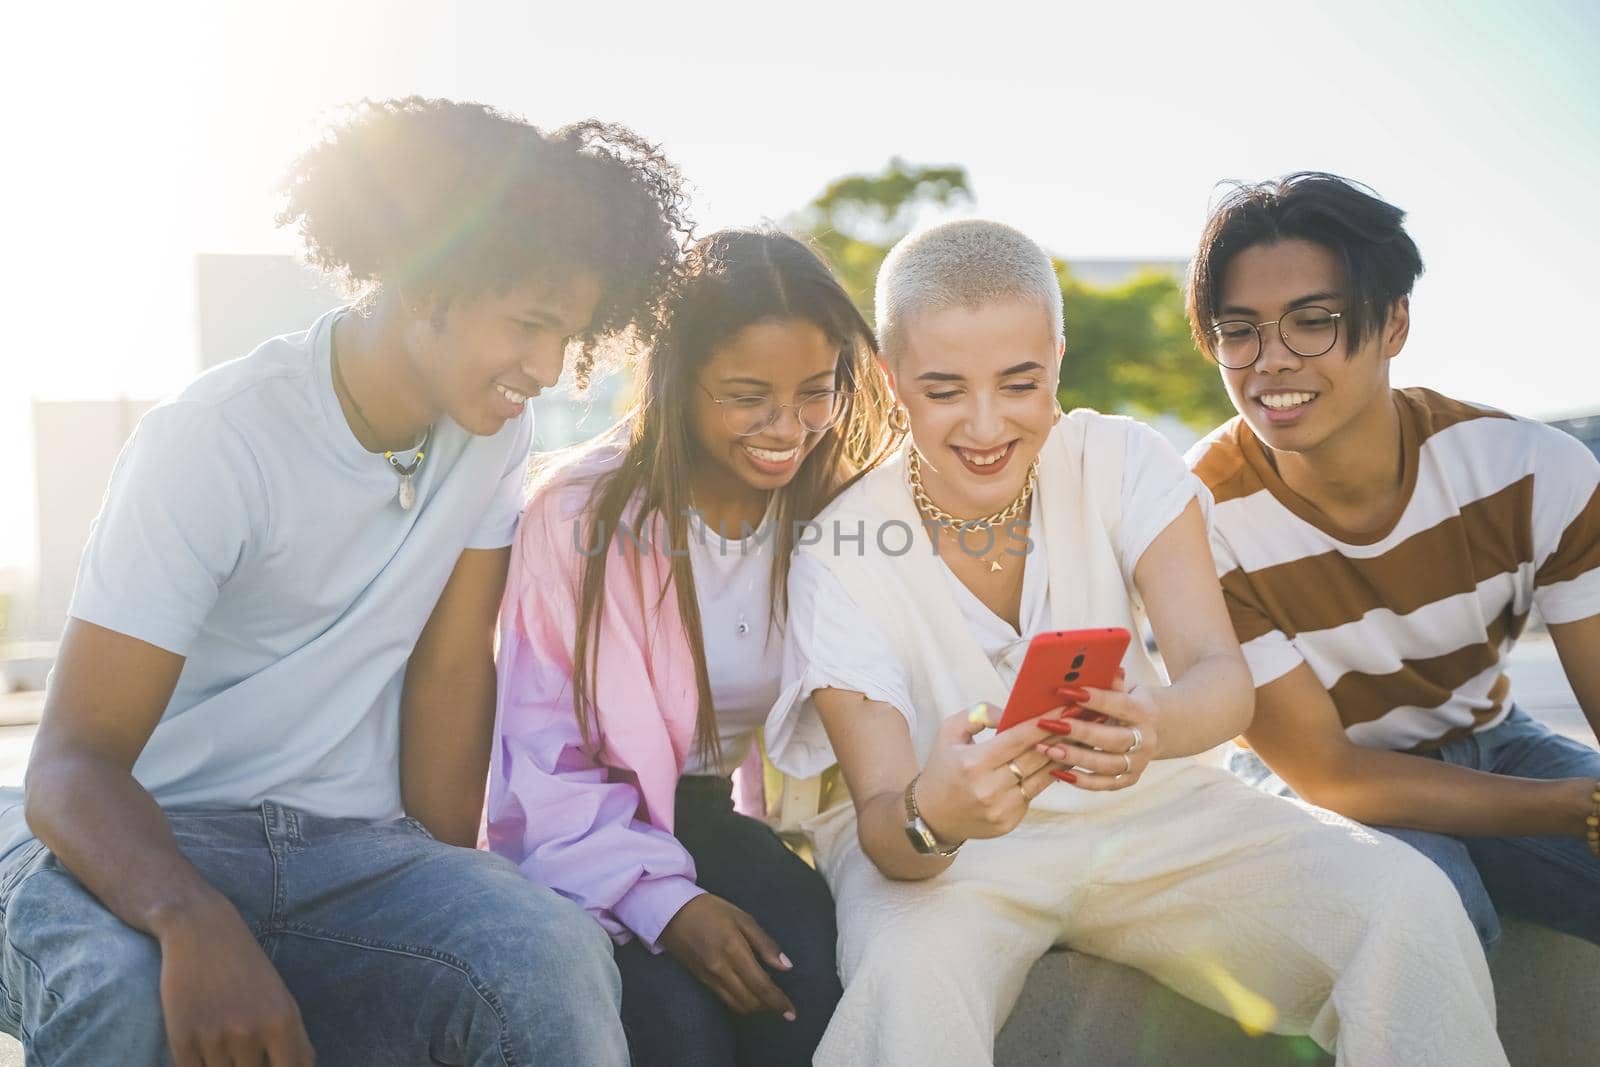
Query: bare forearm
pixel 881 824
pixel 1384 788
pixel 1211 703
pixel 446 725
pixel 1578 645
pixel 1585 682
pixel 110 833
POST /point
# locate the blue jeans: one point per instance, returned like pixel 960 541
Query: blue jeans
pixel 1554 881
pixel 398 949
pixel 674 1020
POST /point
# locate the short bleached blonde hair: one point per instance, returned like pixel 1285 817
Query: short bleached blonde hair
pixel 966 263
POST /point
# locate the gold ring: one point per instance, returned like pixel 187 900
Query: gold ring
pixel 1017 771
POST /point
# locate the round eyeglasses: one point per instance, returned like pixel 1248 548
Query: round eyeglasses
pixel 746 416
pixel 1307 332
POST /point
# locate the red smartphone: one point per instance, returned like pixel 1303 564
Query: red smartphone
pixel 1060 658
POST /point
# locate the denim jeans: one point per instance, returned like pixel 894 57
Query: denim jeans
pixel 398 949
pixel 671 1017
pixel 1554 881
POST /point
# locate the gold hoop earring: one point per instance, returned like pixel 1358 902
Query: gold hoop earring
pixel 900 419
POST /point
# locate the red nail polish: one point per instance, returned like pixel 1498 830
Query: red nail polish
pixel 1073 693
pixel 1065 776
pixel 1055 727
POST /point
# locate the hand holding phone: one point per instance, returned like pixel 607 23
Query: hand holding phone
pixel 1064 659
pixel 1110 741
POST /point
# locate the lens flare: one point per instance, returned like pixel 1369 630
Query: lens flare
pixel 1253 1012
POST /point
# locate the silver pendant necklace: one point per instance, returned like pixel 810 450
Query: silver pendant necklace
pixel 407 493
pixel 742 624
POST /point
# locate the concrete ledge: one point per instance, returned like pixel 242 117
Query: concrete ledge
pixel 1547 990
pixel 1078 1009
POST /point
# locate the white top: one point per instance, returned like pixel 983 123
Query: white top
pixel 832 642
pixel 829 628
pixel 246 529
pixel 744 654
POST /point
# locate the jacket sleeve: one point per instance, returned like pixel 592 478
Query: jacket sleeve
pixel 563 816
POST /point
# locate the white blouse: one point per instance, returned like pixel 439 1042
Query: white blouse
pixel 831 643
pixel 744 654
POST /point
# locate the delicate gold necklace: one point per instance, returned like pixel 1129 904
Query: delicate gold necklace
pixel 935 514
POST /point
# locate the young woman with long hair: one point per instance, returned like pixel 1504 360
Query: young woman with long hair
pixel 641 649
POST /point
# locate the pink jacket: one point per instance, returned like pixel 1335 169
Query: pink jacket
pixel 596 830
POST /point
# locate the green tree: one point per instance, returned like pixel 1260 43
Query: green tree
pixel 858 218
pixel 1128 346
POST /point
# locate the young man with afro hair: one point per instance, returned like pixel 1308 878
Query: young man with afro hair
pixel 247 827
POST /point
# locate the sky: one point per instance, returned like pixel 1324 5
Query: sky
pixel 143 134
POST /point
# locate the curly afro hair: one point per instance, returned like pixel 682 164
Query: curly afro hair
pixel 455 200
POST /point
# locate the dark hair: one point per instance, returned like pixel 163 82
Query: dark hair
pixel 451 200
pixel 1380 261
pixel 729 280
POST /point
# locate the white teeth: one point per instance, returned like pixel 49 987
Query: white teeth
pixel 1283 401
pixel 511 394
pixel 984 459
pixel 766 455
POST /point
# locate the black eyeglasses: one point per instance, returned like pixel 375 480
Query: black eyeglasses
pixel 746 416
pixel 1307 332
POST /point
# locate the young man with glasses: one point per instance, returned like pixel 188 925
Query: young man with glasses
pixel 1380 550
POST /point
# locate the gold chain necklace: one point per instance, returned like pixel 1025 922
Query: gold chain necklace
pixel 933 513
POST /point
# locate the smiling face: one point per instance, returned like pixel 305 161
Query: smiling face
pixel 1296 403
pixel 980 387
pixel 789 361
pixel 489 354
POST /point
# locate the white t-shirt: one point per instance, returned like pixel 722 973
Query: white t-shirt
pixel 833 644
pixel 744 654
pixel 246 529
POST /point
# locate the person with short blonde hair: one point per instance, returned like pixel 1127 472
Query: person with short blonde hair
pixel 963 264
pixel 965 855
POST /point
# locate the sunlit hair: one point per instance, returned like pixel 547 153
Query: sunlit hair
pixel 446 200
pixel 728 281
pixel 965 264
pixel 1378 259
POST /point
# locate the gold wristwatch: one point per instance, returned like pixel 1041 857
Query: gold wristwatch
pixel 917 832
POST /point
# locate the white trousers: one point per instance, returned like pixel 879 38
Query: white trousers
pixel 1287 918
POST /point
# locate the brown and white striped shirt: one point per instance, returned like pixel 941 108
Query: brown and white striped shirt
pixel 1408 626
